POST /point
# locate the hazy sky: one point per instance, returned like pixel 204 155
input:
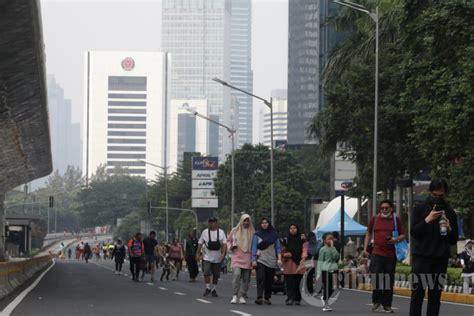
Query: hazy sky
pixel 72 27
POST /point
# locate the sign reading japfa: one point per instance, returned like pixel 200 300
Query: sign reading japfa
pixel 204 170
pixel 203 184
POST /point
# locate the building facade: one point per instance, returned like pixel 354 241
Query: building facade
pixel 197 34
pixel 280 119
pixel 125 111
pixel 310 41
pixel 65 135
pixel 241 74
pixel 187 133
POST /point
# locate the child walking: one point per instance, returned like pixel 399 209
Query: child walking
pixel 327 265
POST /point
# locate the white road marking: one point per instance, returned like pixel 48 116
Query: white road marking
pixel 179 293
pixel 163 288
pixel 203 301
pixel 10 307
pixel 240 313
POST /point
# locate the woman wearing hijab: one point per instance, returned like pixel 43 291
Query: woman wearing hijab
pixel 467 262
pixel 294 254
pixel 266 257
pixel 240 243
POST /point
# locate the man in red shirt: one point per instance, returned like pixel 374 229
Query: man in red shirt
pixel 383 259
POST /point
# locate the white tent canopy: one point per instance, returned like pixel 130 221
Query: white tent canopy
pixel 350 207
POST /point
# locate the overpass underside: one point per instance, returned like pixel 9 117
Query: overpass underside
pixel 25 149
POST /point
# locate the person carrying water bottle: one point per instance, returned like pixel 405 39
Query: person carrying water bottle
pixel 434 229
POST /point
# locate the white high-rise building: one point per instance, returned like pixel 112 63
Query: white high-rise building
pixel 280 119
pixel 187 133
pixel 125 109
pixel 241 74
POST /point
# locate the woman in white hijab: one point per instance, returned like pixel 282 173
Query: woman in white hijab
pixel 240 243
pixel 467 261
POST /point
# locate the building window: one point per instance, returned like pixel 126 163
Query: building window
pixel 126 126
pixel 120 83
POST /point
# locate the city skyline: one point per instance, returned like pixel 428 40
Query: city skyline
pixel 66 41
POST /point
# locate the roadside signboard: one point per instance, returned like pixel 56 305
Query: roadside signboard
pixel 204 170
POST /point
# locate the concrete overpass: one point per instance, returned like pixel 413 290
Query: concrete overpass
pixel 25 149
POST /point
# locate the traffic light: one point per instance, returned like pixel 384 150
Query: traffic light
pixel 51 201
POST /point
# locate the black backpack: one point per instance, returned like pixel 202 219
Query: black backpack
pixel 213 245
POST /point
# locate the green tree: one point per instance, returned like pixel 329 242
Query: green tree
pixel 106 200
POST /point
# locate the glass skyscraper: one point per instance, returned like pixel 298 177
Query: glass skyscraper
pixel 310 40
pixel 197 34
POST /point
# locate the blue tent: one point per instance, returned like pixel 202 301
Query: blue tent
pixel 351 227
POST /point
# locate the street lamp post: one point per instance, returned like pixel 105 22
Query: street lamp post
pixel 268 103
pixel 165 169
pixel 232 132
pixel 375 17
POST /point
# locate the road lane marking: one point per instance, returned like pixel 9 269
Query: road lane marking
pixel 240 313
pixel 163 288
pixel 203 301
pixel 179 293
pixel 10 307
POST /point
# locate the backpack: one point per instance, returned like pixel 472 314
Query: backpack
pixel 213 245
pixel 136 252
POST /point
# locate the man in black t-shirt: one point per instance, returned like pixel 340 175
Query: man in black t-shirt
pixel 149 244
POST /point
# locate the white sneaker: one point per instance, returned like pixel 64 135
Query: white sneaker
pixel 116 272
pixel 242 300
pixel 327 308
pixel 234 299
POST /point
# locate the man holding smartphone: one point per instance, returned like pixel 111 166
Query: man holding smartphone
pixel 383 259
pixel 434 230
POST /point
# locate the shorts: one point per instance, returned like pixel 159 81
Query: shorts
pixel 211 268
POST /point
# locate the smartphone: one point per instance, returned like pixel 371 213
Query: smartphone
pixel 389 238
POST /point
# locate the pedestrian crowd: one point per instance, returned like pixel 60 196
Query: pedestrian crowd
pixel 280 263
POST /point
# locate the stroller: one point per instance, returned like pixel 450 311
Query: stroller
pixel 278 284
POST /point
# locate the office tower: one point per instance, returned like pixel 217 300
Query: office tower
pixel 197 34
pixel 241 74
pixel 125 111
pixel 280 119
pixel 310 41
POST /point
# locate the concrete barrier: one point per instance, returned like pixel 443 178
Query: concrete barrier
pixel 15 274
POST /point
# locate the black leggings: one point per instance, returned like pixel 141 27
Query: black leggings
pixel 118 266
pixel 265 277
pixel 135 267
pixel 328 287
pixel 167 272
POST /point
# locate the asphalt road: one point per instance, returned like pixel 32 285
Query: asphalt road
pixel 76 288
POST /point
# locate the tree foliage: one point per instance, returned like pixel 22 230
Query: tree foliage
pixel 426 102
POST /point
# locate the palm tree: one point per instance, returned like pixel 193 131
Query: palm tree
pixel 359 45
